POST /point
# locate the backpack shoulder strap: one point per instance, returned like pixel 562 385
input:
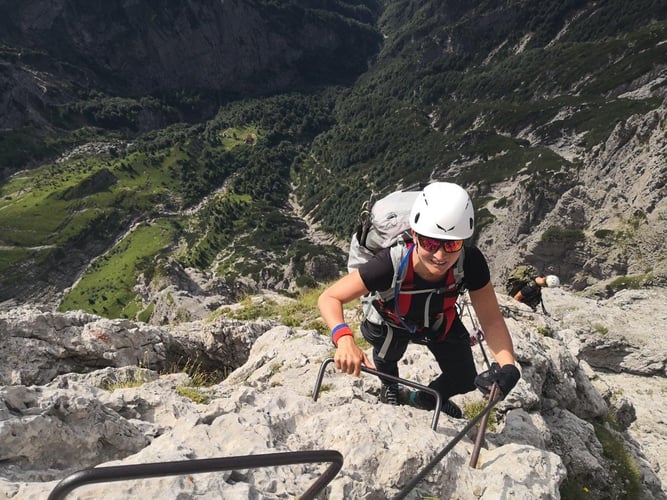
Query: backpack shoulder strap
pixel 400 254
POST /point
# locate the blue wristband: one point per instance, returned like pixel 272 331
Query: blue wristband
pixel 340 331
pixel 338 327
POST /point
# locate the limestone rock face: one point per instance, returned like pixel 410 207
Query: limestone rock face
pixel 614 207
pixel 556 425
pixel 72 420
pixel 39 346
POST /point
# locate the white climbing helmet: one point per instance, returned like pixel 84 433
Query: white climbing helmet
pixel 552 281
pixel 444 211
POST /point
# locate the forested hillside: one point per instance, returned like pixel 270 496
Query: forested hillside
pixel 209 147
pixel 483 90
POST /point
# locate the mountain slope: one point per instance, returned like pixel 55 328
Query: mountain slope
pixel 141 48
pixel 515 104
pixel 549 113
pixel 139 66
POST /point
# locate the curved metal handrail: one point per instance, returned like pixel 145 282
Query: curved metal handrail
pixel 409 383
pixel 158 469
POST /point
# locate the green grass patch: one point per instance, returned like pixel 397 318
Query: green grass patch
pixel 146 314
pixel 106 288
pixel 31 216
pixel 199 378
pixel 138 378
pixel 483 218
pixel 545 331
pixel 302 312
pixel 194 394
pixel 193 390
pixel 625 468
pixel 556 234
pixel 359 339
pixel 238 136
pixel 604 234
pixel 632 282
pixel 57 203
pixel 471 410
pixel 600 329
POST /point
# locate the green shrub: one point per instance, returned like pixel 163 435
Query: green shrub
pixel 501 203
pixel 136 379
pixel 556 234
pixel 483 218
pixel 601 329
pixel 545 331
pixel 603 233
pixel 146 314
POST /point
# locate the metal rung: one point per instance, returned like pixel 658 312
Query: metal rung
pixel 409 383
pixel 159 469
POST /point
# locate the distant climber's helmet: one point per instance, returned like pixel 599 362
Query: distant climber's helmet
pixel 552 281
pixel 444 211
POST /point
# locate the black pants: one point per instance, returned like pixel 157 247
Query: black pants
pixel 453 354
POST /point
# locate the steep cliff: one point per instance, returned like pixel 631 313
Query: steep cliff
pixel 597 222
pixel 54 52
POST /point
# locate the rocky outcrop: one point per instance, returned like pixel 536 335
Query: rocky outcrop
pixel 39 346
pixel 576 223
pixel 181 294
pixel 546 432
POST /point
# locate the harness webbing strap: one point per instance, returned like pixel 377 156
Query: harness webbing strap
pixel 387 342
pixel 399 277
pixel 427 304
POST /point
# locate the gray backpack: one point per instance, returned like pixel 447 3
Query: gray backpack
pixel 381 224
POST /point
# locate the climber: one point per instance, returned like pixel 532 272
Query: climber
pixel 525 284
pixel 441 219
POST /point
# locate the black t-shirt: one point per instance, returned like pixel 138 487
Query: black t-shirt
pixel 378 275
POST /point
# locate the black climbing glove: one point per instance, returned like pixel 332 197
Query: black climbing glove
pixel 506 378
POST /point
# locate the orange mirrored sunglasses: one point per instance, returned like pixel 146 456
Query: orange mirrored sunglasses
pixel 432 245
